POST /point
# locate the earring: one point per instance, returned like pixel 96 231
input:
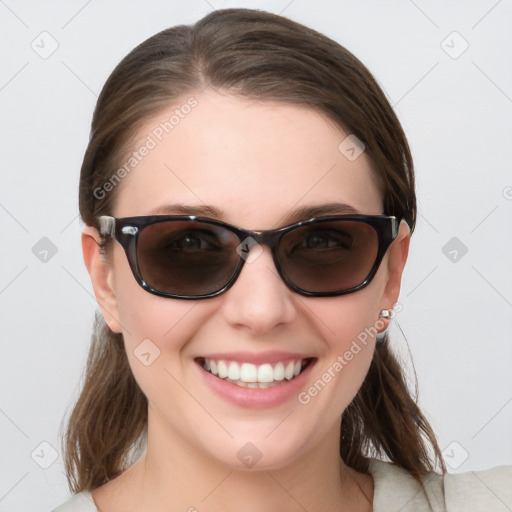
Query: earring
pixel 387 314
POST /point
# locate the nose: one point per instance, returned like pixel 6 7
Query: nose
pixel 259 300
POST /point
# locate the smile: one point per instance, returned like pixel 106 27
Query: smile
pixel 255 376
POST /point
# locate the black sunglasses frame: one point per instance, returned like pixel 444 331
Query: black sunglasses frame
pixel 126 231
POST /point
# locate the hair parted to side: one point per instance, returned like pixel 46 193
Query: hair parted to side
pixel 258 55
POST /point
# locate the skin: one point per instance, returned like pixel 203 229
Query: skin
pixel 255 162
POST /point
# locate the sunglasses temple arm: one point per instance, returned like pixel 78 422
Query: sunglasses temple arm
pixel 107 225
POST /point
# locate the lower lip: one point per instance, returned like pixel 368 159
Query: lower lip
pixel 256 398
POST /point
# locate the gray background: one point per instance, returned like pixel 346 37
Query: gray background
pixel 455 104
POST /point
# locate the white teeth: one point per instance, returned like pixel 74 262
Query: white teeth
pixel 248 372
pixel 254 385
pixel 265 373
pixel 288 372
pixel 233 371
pixel 251 375
pixel 279 371
pixel 222 369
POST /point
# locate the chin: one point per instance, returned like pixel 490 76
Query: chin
pixel 259 454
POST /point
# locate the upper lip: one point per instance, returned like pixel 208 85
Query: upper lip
pixel 256 358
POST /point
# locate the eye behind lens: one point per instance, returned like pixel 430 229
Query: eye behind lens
pixel 187 258
pixel 329 257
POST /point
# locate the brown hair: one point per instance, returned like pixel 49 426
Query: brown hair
pixel 257 55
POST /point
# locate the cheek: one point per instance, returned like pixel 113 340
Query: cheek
pixel 348 328
pixel 351 322
pixel 143 315
pixel 346 318
pixel 157 332
pixel 155 329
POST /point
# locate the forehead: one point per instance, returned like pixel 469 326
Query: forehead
pixel 253 161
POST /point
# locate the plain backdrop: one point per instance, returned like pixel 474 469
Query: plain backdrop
pixel 446 69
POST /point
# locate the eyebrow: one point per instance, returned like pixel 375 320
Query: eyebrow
pixel 183 209
pixel 308 212
pixel 302 213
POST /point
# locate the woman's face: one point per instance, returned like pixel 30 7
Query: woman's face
pixel 251 164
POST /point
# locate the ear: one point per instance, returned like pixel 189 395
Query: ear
pixel 396 258
pixel 102 277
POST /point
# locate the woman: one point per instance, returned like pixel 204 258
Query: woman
pixel 249 199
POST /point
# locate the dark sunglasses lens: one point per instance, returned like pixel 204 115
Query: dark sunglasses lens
pixel 187 258
pixel 329 256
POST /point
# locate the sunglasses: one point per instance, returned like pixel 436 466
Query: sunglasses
pixel 189 257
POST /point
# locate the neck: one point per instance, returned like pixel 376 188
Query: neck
pixel 172 475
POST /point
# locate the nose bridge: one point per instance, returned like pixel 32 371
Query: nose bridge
pixel 268 237
pixel 252 243
pixel 259 299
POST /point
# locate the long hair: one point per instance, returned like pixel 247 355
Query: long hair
pixel 257 55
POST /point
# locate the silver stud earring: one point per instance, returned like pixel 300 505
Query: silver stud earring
pixel 386 314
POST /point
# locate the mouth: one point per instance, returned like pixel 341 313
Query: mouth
pixel 255 376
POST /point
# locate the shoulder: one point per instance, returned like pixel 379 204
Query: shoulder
pixel 396 490
pixel 489 490
pixel 81 502
pixel 486 491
